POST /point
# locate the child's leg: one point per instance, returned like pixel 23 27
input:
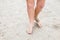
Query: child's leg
pixel 30 9
pixel 39 6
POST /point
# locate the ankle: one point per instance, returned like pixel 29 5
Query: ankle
pixel 36 19
pixel 31 24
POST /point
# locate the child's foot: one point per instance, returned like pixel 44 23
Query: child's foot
pixel 30 30
pixel 38 22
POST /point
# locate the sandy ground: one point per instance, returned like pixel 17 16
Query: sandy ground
pixel 14 21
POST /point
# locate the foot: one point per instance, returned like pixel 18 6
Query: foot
pixel 30 30
pixel 38 22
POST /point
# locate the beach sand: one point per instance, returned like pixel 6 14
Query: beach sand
pixel 14 21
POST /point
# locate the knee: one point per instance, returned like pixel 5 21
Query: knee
pixel 41 4
pixel 30 4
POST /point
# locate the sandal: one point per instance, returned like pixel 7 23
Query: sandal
pixel 38 22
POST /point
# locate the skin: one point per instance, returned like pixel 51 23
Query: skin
pixel 33 13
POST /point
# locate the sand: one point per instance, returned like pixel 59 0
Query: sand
pixel 14 21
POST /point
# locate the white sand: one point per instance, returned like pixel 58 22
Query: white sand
pixel 14 21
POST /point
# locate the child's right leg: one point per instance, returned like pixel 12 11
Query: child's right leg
pixel 31 12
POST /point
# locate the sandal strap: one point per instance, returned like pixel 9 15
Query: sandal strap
pixel 37 20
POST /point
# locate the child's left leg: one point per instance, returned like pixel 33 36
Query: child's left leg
pixel 39 6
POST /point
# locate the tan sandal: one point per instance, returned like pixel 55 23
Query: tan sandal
pixel 37 21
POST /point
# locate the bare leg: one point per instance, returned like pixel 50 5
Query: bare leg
pixel 30 9
pixel 39 6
